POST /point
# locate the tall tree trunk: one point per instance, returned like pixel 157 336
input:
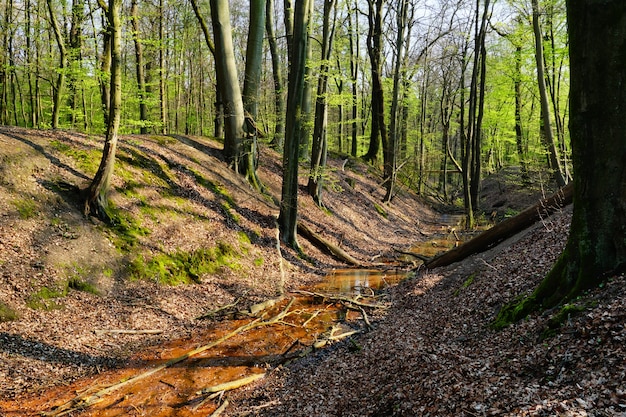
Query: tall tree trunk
pixel 555 161
pixel 392 145
pixel 279 103
pixel 595 248
pixel 60 83
pixel 519 132
pixel 320 144
pixel 374 48
pixel 162 86
pixel 139 69
pixel 288 217
pixel 307 104
pixel 251 91
pixel 96 195
pixel 354 72
pixel 228 83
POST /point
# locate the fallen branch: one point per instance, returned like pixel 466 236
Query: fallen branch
pixel 84 401
pixel 505 229
pixel 326 246
pixel 339 298
pixel 219 409
pixel 217 310
pixel 100 332
pixel 228 386
pixel 413 254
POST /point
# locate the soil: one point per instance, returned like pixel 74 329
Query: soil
pixel 431 353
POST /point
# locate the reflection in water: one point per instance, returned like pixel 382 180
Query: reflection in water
pixel 359 281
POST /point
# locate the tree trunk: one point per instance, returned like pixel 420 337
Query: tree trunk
pixel 228 83
pixel 60 83
pixel 378 132
pixel 596 247
pixel 505 229
pixel 96 200
pixel 354 72
pixel 251 91
pixel 288 217
pixel 139 69
pixel 555 162
pixel 279 102
pixel 320 144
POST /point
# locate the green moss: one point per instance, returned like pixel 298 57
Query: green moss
pixel 127 229
pixel 380 210
pixel 7 313
pixel 88 161
pixel 258 262
pixel 46 299
pixel 517 309
pixel 562 316
pixel 27 208
pixel 183 267
pixel 79 284
pixel 465 284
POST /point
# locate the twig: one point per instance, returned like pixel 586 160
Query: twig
pixel 220 409
pixel 227 386
pixel 84 401
pixel 100 332
pixel 217 310
pixel 339 298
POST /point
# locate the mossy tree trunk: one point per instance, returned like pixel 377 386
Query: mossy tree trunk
pixel 96 200
pixel 596 247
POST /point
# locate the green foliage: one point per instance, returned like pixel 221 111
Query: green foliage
pixel 7 313
pixel 183 267
pixel 27 208
pixel 517 309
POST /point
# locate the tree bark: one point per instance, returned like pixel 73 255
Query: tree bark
pixel 288 217
pixel 96 200
pixel 378 131
pixel 60 83
pixel 279 102
pixel 555 161
pixel 228 83
pixel 596 247
pixel 320 145
pixel 139 69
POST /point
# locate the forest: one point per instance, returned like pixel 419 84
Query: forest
pixel 350 208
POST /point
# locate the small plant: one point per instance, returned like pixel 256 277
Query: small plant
pixel 381 210
pixel 78 284
pixel 7 313
pixel 26 208
pixel 46 299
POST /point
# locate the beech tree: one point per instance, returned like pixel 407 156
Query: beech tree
pixel 596 246
pixel 96 195
pixel 288 217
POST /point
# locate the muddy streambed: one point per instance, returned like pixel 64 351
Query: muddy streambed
pixel 185 377
pixel 191 377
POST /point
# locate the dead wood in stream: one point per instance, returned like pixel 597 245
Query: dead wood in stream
pixel 81 402
pixel 505 229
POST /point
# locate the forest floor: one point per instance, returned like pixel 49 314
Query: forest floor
pixel 70 286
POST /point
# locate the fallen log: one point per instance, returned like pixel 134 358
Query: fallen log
pixel 326 246
pixel 505 229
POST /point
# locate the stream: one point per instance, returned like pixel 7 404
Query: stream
pixel 179 378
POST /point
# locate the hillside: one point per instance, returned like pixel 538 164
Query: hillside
pixel 175 198
pixel 65 278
